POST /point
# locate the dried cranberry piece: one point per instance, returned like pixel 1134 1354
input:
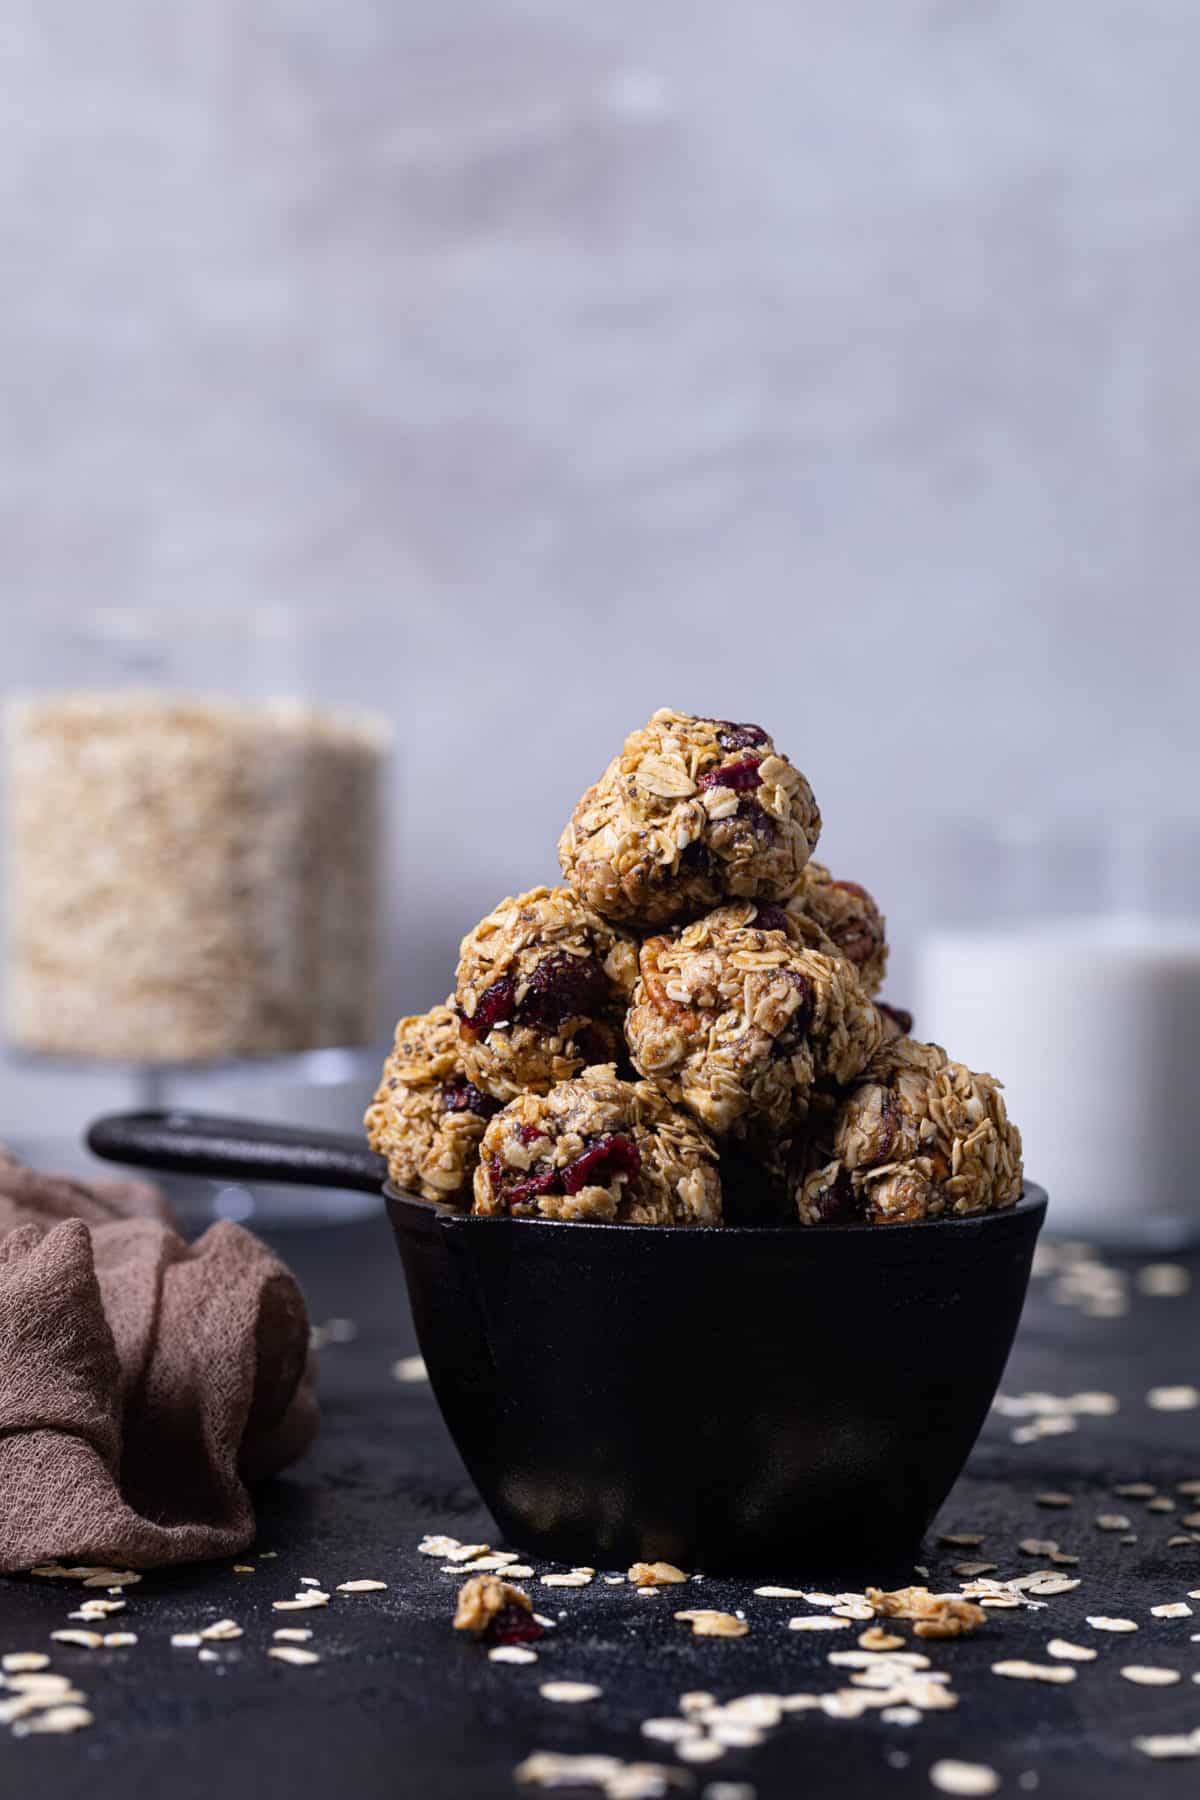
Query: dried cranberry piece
pixel 739 737
pixel 563 987
pixel 770 918
pixel 899 1015
pixel 851 887
pixel 495 1005
pixel 464 1096
pixel 761 823
pixel 696 859
pixel 741 775
pixel 602 1162
pixel 801 1019
pixel 513 1625
pixel 525 1187
pixel 856 941
pixel 596 1045
pixel 835 1201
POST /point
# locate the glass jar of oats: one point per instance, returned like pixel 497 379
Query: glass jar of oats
pixel 192 839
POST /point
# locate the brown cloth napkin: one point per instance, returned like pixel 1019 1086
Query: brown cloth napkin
pixel 143 1381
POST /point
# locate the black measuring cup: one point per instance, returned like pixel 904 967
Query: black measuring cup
pixel 743 1398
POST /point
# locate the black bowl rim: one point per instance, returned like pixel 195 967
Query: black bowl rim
pixel 1033 1200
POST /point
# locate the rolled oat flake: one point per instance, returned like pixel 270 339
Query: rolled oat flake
pixel 952 1777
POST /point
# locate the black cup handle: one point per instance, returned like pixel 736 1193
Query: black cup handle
pixel 187 1143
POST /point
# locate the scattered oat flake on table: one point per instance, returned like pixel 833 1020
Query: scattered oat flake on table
pixel 293 1634
pixel 1175 1609
pixel 1053 1584
pixel 1068 1652
pixel 97 1609
pixel 1099 1623
pixel 24 1662
pixel 816 1622
pixel 54 1720
pixel 1032 1546
pixel 781 1593
pixel 706 1622
pixel 84 1640
pixel 669 1731
pixel 974 1568
pixel 655 1574
pixel 1166 1746
pixel 699 1750
pixel 221 1631
pixel 1053 1499
pixel 410 1368
pixel 962 1540
pixel 1191 1520
pixel 1163 1281
pixel 291 1653
pixel 365 1586
pixel 1019 1670
pixel 1173 1399
pixel 619 1780
pixel 437 1544
pixel 952 1777
pixel 119 1640
pixel 575 1579
pixel 570 1693
pixel 1146 1675
pixel 243 1568
pixel 186 1640
pixel 1161 1503
pixel 1135 1490
pixel 878 1639
pixel 901 1715
pixel 1112 1522
pixel 512 1653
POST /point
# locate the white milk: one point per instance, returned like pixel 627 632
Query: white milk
pixel 1093 1025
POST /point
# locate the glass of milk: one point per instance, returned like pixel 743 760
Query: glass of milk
pixel 1064 957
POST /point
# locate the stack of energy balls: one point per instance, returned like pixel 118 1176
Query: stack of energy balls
pixel 688 1033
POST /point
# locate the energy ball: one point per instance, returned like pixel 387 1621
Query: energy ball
pixel 737 1020
pixel 542 987
pixel 849 916
pixel 916 1137
pixel 427 1117
pixel 598 1149
pixel 692 812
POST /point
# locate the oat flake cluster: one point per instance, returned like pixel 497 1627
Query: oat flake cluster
pixel 687 1032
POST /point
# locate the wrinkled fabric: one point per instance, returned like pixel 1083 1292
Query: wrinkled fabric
pixel 144 1382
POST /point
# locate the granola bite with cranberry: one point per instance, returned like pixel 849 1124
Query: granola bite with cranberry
pixel 542 987
pixel 490 1608
pixel 599 1149
pixel 917 1137
pixel 427 1117
pixel 849 916
pixel 692 812
pixel 736 1020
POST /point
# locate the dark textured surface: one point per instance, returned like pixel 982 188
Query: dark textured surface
pixel 400 1705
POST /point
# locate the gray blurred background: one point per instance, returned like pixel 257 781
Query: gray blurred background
pixel 782 362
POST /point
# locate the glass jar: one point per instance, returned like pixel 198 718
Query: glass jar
pixel 194 832
pixel 1066 960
